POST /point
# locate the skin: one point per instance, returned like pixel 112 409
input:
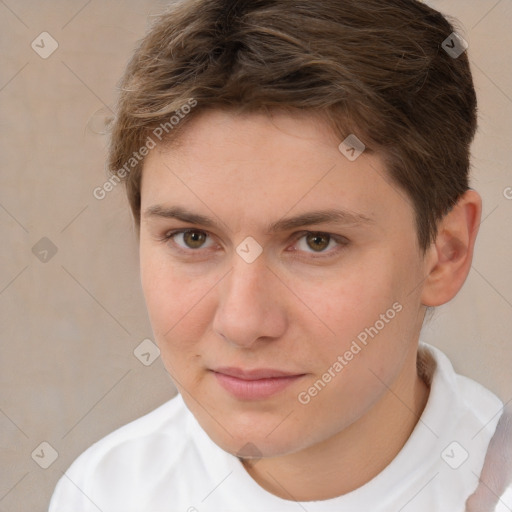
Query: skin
pixel 302 302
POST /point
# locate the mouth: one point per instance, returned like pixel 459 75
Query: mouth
pixel 255 384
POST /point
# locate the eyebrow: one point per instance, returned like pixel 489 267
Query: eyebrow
pixel 333 216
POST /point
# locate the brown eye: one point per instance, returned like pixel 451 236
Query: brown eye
pixel 194 239
pixel 317 241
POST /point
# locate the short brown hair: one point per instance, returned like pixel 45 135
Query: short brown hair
pixel 374 68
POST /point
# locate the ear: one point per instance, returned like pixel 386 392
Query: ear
pixel 448 259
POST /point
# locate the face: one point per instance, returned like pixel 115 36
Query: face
pixel 282 280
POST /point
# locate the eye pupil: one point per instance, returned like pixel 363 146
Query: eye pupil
pixel 318 242
pixel 194 239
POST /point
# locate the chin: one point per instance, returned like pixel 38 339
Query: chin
pixel 260 427
pixel 257 446
pixel 254 441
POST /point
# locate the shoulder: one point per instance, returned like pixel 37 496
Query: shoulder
pixel 476 405
pixel 483 427
pixel 166 423
pixel 494 490
pixel 122 456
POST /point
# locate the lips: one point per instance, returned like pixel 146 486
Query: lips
pixel 255 374
pixel 254 384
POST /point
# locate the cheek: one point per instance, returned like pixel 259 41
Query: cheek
pixel 169 295
pixel 179 304
pixel 354 369
pixel 350 298
pixel 363 319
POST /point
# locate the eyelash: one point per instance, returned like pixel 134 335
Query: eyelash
pixel 340 240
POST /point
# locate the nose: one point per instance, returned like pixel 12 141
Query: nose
pixel 251 306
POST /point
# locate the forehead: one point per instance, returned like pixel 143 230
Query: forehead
pixel 254 166
pixel 226 137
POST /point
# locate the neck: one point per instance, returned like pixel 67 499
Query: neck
pixel 353 456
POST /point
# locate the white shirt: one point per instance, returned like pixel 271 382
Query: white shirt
pixel 165 462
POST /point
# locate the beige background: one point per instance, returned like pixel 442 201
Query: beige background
pixel 70 325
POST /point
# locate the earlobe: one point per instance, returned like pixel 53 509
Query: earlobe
pixel 448 260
